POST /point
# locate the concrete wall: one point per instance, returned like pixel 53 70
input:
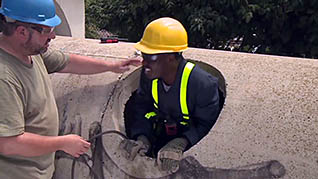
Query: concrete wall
pixel 270 113
pixel 72 13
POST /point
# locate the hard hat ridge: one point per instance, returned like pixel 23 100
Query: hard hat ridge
pixel 163 35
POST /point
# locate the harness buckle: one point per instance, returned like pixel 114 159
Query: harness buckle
pixel 171 128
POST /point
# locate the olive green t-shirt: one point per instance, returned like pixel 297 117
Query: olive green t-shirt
pixel 27 104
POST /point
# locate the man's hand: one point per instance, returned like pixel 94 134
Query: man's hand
pixel 146 145
pixel 74 145
pixel 123 66
pixel 169 156
pixel 79 64
pixel 131 147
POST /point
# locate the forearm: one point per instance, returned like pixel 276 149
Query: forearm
pixel 30 145
pixel 140 120
pixel 142 104
pixel 205 116
pixel 87 65
pixel 196 133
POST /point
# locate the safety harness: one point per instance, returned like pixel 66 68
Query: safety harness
pixel 183 94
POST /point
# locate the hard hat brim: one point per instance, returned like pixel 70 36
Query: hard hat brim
pixel 148 50
pixel 52 22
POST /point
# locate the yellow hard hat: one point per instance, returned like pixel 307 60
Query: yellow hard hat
pixel 164 35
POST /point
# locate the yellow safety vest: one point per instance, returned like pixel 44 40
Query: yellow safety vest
pixel 183 94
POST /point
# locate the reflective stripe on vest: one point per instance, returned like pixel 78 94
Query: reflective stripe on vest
pixel 183 91
pixel 150 115
pixel 155 92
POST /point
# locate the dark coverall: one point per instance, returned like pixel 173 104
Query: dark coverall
pixel 203 101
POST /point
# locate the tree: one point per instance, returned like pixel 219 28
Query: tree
pixel 281 27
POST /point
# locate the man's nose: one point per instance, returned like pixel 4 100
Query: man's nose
pixel 52 35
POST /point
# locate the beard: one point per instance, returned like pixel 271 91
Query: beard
pixel 35 49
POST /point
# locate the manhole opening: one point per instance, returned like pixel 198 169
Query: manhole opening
pixel 128 110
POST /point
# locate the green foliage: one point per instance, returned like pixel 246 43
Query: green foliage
pixel 280 27
pixel 91 28
pixel 286 27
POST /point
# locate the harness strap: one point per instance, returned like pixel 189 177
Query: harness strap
pixel 183 93
pixel 183 90
pixel 155 92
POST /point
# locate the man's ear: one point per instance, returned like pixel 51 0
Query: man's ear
pixel 22 33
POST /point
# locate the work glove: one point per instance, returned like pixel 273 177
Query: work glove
pixel 131 148
pixel 170 155
pixel 146 145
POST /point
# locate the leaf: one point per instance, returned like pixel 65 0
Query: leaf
pixel 248 17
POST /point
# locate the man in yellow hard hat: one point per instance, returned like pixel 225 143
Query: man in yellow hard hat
pixel 28 112
pixel 177 102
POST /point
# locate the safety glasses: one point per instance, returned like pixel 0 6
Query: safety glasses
pixel 42 30
pixel 150 57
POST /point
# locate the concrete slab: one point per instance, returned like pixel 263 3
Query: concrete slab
pixel 269 114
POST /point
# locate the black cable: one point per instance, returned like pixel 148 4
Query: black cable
pixel 83 155
pixel 90 168
pixel 73 168
pixel 108 132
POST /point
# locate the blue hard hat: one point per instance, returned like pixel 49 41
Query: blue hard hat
pixel 31 11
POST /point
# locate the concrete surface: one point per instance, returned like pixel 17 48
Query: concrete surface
pixel 270 114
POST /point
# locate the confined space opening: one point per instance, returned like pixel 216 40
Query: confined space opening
pixel 190 167
pixel 128 112
pixel 122 110
pixel 112 164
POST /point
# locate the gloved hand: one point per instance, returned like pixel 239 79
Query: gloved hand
pixel 146 145
pixel 169 155
pixel 131 147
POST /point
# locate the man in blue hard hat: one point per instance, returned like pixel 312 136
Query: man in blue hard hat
pixel 28 112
